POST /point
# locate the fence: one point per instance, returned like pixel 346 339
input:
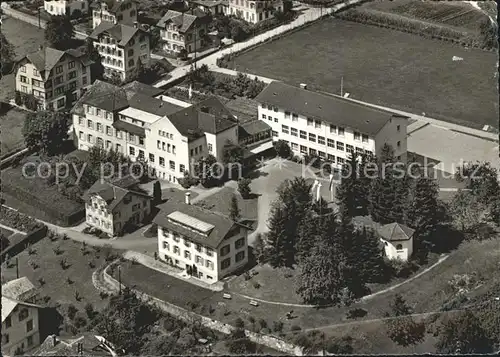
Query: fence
pixel 19 246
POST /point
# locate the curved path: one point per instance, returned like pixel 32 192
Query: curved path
pixel 364 298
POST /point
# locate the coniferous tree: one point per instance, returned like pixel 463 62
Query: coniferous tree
pixel 423 215
pixel 367 172
pixel 372 262
pixel 259 248
pixel 306 235
pixel 60 32
pixel 234 210
pixel 347 191
pixel 157 192
pixel 281 249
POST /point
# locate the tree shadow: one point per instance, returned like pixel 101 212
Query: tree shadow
pixel 51 322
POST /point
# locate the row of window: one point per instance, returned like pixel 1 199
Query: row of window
pixel 166 135
pixel 176 237
pixel 227 262
pixel 161 145
pixel 59 69
pixel 187 255
pixel 199 150
pixel 331 158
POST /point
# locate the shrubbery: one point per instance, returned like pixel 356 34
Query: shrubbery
pixel 18 220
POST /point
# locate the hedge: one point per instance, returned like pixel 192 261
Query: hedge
pixel 18 220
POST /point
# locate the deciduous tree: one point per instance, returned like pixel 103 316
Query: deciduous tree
pixel 234 210
pixel 59 32
pixel 244 187
pixel 402 329
pixel 97 68
pixel 7 53
pixel 283 149
pixel 46 131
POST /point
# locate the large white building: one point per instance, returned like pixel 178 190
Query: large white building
pixel 122 47
pixel 53 76
pixel 114 11
pixel 132 120
pixel 207 245
pixel 254 11
pixel 66 7
pixel 328 126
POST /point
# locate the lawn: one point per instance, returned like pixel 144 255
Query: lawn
pixel 55 277
pixel 221 202
pixel 12 121
pixel 25 38
pixel 385 67
pixel 5 232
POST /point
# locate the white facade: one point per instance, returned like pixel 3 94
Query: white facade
pixel 254 11
pixel 213 264
pixel 65 7
pixel 126 13
pixel 122 59
pixel 331 142
pixel 20 329
pixel 399 249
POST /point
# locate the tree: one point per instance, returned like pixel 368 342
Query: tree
pixel 46 131
pixel 307 231
pixel 463 334
pixel 481 179
pixel 157 193
pixel 340 346
pixel 347 191
pixel 466 211
pixel 402 329
pixel 244 187
pixel 232 153
pixel 234 210
pixel 259 248
pixel 7 53
pixel 282 149
pixel 281 249
pixel 155 38
pixel 59 32
pixel 115 78
pixel 208 171
pixel 423 215
pixel 96 69
pixel 367 171
pixel 368 253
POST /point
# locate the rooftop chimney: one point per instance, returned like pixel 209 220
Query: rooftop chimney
pixel 40 47
pixel 204 109
pixel 135 24
pixel 188 198
pixel 303 85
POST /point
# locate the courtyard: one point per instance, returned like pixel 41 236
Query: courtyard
pixel 385 67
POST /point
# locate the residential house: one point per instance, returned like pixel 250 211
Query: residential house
pixel 20 324
pixel 183 31
pixel 397 239
pixel 114 11
pixel 86 344
pixel 110 206
pixel 134 121
pixel 122 47
pixel 329 127
pixel 213 7
pixel 53 76
pixel 208 245
pixel 66 7
pixel 254 11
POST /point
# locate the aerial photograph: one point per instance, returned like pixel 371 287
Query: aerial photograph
pixel 249 177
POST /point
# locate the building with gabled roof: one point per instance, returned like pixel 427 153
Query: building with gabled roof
pixel 114 11
pixel 123 48
pixel 87 344
pixel 111 205
pixel 184 31
pixel 254 11
pixel 206 244
pixel 66 7
pixel 397 239
pixel 20 324
pixel 327 126
pixel 53 77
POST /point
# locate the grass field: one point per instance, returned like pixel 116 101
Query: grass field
pixel 55 277
pixel 12 121
pixel 25 38
pixel 5 232
pixel 385 67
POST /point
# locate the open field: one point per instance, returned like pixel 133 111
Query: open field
pixel 55 277
pixel 384 67
pixel 12 121
pixel 25 38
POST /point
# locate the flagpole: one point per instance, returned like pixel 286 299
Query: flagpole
pixel 342 86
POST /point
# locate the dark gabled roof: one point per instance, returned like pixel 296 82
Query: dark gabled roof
pixel 207 3
pixel 245 109
pixel 110 192
pixel 222 224
pixel 183 20
pixel 130 128
pixel 209 115
pixel 252 128
pixel 68 346
pixel 331 109
pixel 120 32
pixel 115 6
pixel 152 105
pixel 102 95
pixel 45 59
pixel 142 88
pixel 394 232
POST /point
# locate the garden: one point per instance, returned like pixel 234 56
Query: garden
pixel 402 71
pixel 12 120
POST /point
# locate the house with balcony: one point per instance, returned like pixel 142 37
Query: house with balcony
pixel 112 205
pixel 397 240
pixel 20 323
pixel 123 48
pixel 66 7
pixel 327 126
pixel 114 11
pixel 254 11
pixel 184 31
pixel 55 78
pixel 207 245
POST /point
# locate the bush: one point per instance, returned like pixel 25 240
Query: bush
pixel 277 326
pixel 244 187
pixel 18 99
pixel 188 181
pixel 18 220
pixel 72 310
pixel 256 285
pixel 239 323
pixel 295 328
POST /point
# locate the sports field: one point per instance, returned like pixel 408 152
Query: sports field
pixel 385 67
